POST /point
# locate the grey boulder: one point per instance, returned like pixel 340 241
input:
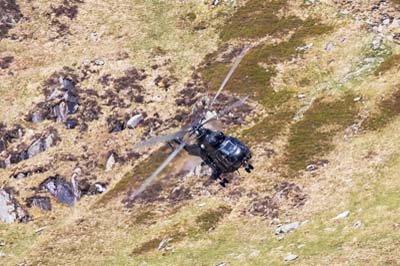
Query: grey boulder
pixel 286 228
pixel 10 209
pixel 134 121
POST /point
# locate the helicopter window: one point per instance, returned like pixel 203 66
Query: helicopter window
pixel 228 147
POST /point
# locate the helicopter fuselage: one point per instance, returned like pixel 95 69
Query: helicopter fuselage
pixel 224 154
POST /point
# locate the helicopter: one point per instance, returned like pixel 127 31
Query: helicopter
pixel 223 154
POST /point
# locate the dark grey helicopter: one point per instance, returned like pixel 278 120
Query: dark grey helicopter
pixel 223 154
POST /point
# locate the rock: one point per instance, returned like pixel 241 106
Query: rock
pixel 198 170
pixel 60 112
pixel 49 141
pixel 110 162
pixel 395 23
pixel 376 43
pixel 342 215
pixel 157 98
pixel 117 126
pixel 91 189
pixel 10 209
pixel 66 83
pixel 283 229
pixel 100 187
pixel 134 121
pixel 17 157
pixel 62 190
pixel 3 144
pixel 71 123
pixel 72 107
pixel 40 202
pixel 70 97
pixel 163 243
pixel 26 173
pixel 7 162
pixel 41 229
pixel 72 102
pixel 357 99
pixel 36 148
pixel 5 62
pixel 240 256
pixel 37 117
pixel 200 105
pixel 94 35
pixel 357 224
pixel 390 37
pixel 305 48
pixel 301 96
pixel 221 264
pixel 386 21
pixel 2 254
pixel 371 60
pixel 311 167
pixel 99 62
pixel 55 94
pixel 291 257
pixel 20 176
pixel 329 47
pixel 254 254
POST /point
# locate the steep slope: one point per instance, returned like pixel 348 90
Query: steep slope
pixel 321 121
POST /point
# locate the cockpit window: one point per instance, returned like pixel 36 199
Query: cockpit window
pixel 228 147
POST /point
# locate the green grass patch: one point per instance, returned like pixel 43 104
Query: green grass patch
pixel 144 217
pixel 146 247
pixel 256 71
pixel 253 78
pixel 269 128
pixel 312 136
pixel 258 18
pixel 388 110
pixel 390 63
pixel 210 218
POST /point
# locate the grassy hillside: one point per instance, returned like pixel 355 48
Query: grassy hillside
pixel 321 121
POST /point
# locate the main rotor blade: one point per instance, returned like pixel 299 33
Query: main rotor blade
pixel 228 76
pixel 150 179
pixel 158 139
pixel 238 103
pixel 233 105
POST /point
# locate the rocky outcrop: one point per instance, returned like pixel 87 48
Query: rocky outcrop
pixel 70 192
pixel 40 202
pixel 62 190
pixel 40 144
pixel 10 209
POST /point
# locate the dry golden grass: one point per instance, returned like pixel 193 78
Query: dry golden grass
pixel 361 175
